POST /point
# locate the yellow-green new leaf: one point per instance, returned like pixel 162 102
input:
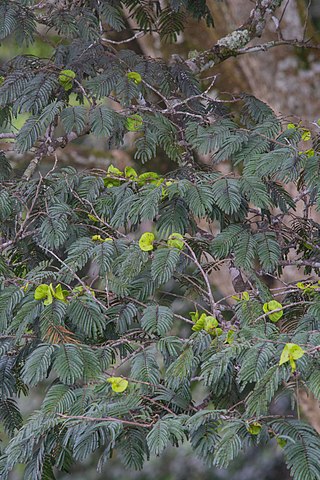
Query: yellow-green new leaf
pixel 194 316
pixel 41 292
pixel 282 442
pixel 273 305
pixel 114 171
pixel 134 122
pixel 60 294
pixel 130 173
pixel 254 428
pixel 98 238
pixel 290 353
pixel 306 135
pixel 135 76
pixel 148 177
pixel 109 180
pixel 310 152
pixel 230 337
pixel 199 325
pixel 210 324
pixel 175 240
pixel 146 242
pixel 118 384
pixel 50 294
pixel 93 218
pixel 245 296
pixel 207 323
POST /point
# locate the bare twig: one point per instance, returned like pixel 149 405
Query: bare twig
pixel 127 40
pixel 213 304
pixel 306 20
pixel 105 419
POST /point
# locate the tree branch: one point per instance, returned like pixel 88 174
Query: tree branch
pixel 276 43
pixel 7 135
pixel 300 263
pixel 229 45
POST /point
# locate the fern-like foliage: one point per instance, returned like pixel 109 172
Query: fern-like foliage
pixel 116 302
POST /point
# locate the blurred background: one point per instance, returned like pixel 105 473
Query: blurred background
pixel 288 79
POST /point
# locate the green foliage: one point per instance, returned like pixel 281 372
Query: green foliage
pixel 163 264
pixel 301 448
pixel 92 306
pixel 102 121
pixel 35 126
pixel 37 365
pixel 157 319
pixel 74 119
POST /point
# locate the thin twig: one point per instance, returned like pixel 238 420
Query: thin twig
pixel 213 304
pixel 127 40
pixel 105 419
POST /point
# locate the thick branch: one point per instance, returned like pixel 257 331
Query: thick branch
pixel 229 45
pixel 7 135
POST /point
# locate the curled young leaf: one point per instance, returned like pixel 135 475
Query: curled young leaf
pixel 175 240
pixel 60 294
pixel 208 323
pixel 135 77
pixel 118 384
pixel 130 173
pixel 273 305
pixel 48 293
pixel 41 292
pixel 290 353
pixel 146 241
pixel 114 171
pixel 230 337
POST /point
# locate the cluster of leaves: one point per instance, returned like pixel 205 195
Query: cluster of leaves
pixel 81 19
pixel 87 298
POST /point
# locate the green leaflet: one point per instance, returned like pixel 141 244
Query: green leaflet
pixel 157 319
pixel 48 292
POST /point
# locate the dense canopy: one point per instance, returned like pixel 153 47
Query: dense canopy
pixel 110 279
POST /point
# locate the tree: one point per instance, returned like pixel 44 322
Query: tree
pixel 93 261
